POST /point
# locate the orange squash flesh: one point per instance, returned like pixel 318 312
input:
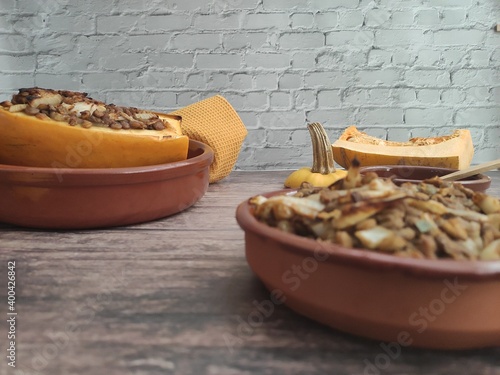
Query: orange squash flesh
pixel 452 151
pixel 28 141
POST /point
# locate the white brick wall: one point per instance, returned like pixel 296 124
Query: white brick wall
pixel 394 68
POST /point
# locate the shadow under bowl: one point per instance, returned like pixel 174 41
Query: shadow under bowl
pixel 73 198
pixel 416 174
pixel 440 304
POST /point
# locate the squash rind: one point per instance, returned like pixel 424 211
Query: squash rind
pixel 28 141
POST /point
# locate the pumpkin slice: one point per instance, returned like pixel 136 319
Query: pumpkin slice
pixel 48 128
pixel 452 151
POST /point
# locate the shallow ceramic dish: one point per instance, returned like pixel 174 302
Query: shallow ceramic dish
pixel 67 198
pixel 444 304
pixel 415 174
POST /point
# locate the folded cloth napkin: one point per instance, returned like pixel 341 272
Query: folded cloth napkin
pixel 214 122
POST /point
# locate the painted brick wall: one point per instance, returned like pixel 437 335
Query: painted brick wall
pixel 394 68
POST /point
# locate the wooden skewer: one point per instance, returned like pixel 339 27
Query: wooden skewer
pixel 471 171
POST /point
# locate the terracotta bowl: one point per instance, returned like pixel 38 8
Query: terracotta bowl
pixel 415 174
pixel 72 198
pixel 443 304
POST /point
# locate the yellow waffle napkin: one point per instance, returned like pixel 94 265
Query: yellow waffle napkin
pixel 214 122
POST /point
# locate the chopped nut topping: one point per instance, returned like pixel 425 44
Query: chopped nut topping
pixel 73 107
pixel 433 219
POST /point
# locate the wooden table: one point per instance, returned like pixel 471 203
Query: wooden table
pixel 174 297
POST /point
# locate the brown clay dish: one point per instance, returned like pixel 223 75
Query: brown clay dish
pixel 415 174
pixel 72 198
pixel 442 304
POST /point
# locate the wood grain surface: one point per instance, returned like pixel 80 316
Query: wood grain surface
pixel 175 296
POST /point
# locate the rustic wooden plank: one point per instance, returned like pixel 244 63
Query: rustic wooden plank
pixel 175 296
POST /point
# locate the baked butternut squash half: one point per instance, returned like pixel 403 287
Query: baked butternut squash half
pixel 56 128
pixel 451 151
